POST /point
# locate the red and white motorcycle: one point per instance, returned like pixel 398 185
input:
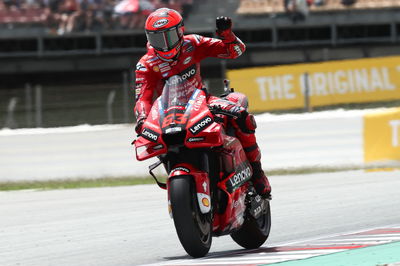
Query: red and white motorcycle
pixel 209 186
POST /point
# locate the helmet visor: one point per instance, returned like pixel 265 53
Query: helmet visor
pixel 164 40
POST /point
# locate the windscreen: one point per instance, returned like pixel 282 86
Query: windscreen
pixel 177 96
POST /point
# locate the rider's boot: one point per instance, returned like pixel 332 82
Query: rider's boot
pixel 260 180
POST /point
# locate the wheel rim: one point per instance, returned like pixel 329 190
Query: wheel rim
pixel 204 225
pixel 264 221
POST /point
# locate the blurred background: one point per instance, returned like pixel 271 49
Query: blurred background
pixel 69 62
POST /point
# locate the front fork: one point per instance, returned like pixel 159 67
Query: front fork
pixel 201 181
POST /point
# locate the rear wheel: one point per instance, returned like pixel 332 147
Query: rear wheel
pixel 193 227
pixel 254 232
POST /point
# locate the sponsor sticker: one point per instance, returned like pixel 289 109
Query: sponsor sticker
pixel 160 23
pixel 163 64
pixel 201 125
pixel 237 50
pixel 141 67
pixel 150 135
pixel 158 147
pixel 187 60
pixel 152 59
pixel 205 202
pixel 156 69
pixel 198 102
pixel 188 46
pixel 185 74
pixel 196 139
pixel 238 179
pixel 184 169
pixel 165 69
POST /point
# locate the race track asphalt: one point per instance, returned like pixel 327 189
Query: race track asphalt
pixel 131 225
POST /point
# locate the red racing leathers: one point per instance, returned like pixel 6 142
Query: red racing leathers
pixel 152 71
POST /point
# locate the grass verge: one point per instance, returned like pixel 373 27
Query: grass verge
pixel 131 181
pixel 75 183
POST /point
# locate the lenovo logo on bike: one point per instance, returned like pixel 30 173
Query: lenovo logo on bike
pixel 202 124
pixel 238 179
pixel 150 135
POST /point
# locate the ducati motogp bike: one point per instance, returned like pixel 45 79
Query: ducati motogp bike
pixel 209 186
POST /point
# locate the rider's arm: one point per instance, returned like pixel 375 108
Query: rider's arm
pixel 228 46
pixel 145 86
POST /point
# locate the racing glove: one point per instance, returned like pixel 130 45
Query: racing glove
pixel 224 29
pixel 139 125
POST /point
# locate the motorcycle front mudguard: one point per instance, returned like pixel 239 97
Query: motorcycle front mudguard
pixel 201 181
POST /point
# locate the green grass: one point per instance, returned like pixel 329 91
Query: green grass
pixel 75 183
pixel 131 181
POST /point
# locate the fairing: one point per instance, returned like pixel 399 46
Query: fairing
pixel 181 111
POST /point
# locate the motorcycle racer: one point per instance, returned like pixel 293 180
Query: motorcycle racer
pixel 170 52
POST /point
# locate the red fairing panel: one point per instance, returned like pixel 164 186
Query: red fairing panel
pixel 232 156
pixel 150 143
pixel 201 180
pixel 202 131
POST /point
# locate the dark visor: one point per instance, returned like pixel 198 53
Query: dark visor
pixel 163 40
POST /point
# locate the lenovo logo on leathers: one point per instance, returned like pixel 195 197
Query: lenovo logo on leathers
pixel 188 72
pixel 200 125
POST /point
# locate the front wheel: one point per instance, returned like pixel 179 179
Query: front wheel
pixel 193 227
pixel 254 232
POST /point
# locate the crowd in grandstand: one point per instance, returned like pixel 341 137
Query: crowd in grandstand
pixel 299 9
pixel 66 16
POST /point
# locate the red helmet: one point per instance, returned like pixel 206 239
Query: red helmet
pixel 164 31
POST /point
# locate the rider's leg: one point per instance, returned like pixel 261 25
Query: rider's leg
pixel 245 132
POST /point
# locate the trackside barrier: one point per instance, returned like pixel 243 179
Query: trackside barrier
pixel 329 83
pixel 319 139
pixel 382 135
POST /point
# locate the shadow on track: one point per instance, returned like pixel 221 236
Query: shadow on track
pixel 227 253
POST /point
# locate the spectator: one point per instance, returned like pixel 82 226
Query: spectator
pixel 296 9
pixel 348 2
pixel 69 10
pixel 65 16
pixel 319 2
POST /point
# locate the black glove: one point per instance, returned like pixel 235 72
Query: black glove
pixel 224 29
pixel 139 125
pixel 223 24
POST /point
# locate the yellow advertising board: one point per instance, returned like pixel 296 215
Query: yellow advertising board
pixel 382 135
pixel 329 83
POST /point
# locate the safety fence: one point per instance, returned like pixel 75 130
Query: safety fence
pixel 39 105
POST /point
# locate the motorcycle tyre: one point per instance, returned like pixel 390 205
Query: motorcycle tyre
pixel 254 232
pixel 188 219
